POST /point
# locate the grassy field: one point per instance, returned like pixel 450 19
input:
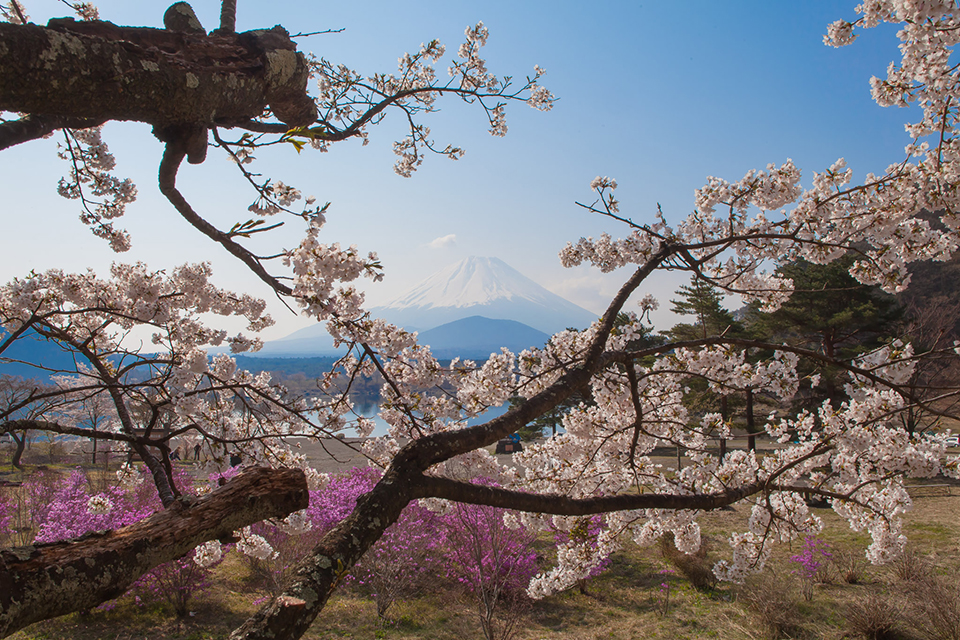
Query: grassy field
pixel 645 593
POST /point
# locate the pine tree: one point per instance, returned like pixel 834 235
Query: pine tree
pixel 829 312
pixel 703 301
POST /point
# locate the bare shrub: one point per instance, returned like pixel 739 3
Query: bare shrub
pixel 694 566
pixel 178 583
pixel 492 562
pixel 874 616
pixel 849 565
pixel 405 561
pixel 772 598
pixel 933 607
pixel 910 566
pixel 270 575
pixel 30 505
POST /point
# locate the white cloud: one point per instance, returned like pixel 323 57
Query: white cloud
pixel 443 241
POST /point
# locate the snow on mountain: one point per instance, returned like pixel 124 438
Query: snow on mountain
pixel 472 281
pixel 486 287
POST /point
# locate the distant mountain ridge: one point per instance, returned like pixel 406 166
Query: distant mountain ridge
pixel 477 337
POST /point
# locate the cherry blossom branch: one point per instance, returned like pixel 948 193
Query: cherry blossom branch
pixel 169 166
pixel 436 448
pixel 628 356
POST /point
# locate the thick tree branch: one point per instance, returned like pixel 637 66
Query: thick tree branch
pixel 435 487
pixel 32 127
pixel 100 71
pixel 54 427
pixel 289 615
pixel 43 581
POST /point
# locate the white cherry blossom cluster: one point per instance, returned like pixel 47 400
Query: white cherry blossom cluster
pixel 133 296
pixel 539 368
pixel 648 303
pixel 471 69
pixel 129 477
pixel 574 562
pixel 254 545
pixel 296 523
pixel 103 196
pixel 99 505
pixel 490 385
pixel 608 254
pixel 727 369
pixel 274 198
pixel 414 72
pixel 318 267
pixel 894 363
pixel 208 554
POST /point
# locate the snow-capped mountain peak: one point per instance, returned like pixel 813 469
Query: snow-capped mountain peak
pixel 487 287
pixel 472 281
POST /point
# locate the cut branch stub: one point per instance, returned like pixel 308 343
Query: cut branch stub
pixel 44 581
pixel 101 71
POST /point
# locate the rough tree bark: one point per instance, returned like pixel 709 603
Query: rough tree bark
pixel 47 580
pixel 69 72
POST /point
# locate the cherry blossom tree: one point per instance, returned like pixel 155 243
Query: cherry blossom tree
pixel 93 410
pixel 63 77
pixel 18 398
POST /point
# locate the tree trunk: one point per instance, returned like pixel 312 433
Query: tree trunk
pixel 724 414
pixel 48 580
pixel 751 424
pixel 18 454
pixel 289 615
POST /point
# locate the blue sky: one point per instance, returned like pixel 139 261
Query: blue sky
pixel 656 97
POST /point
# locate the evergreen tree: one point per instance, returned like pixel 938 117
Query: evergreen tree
pixel 703 301
pixel 831 313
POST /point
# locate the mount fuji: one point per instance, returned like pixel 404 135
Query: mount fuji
pixel 487 287
pixel 518 312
